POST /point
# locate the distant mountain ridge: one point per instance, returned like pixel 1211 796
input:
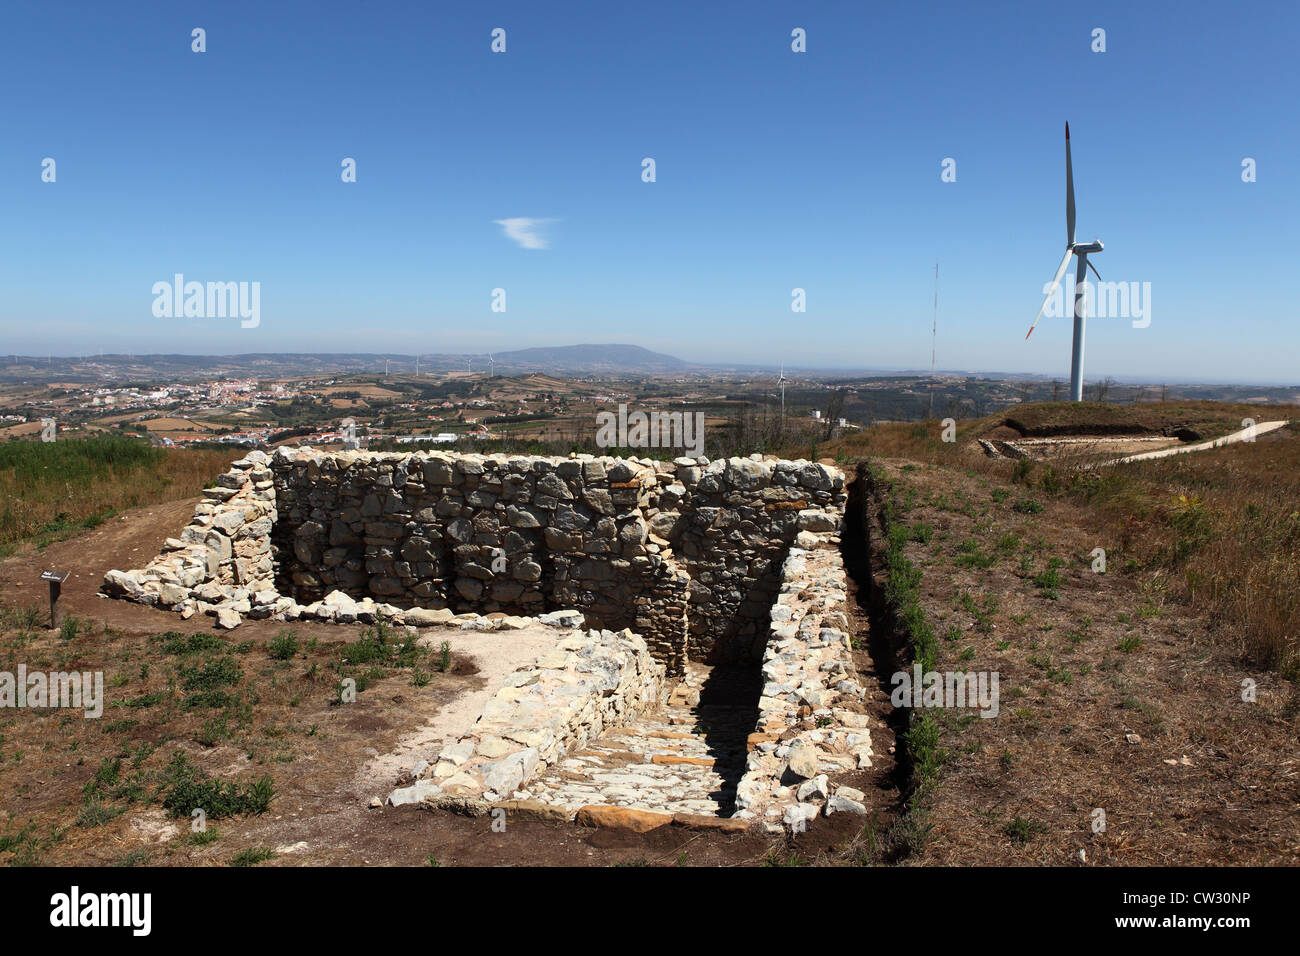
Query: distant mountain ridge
pixel 612 359
pixel 591 358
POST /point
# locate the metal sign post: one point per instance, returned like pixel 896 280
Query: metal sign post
pixel 56 579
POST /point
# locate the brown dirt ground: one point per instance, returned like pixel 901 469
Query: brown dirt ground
pixel 1213 781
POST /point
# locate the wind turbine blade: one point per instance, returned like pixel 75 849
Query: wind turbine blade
pixel 1069 190
pixel 1093 268
pixel 1060 271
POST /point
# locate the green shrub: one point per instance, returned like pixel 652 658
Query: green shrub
pixel 94 812
pixel 283 646
pixel 73 626
pixel 378 646
pixel 211 675
pixel 252 856
pixel 970 556
pixel 179 644
pixel 191 789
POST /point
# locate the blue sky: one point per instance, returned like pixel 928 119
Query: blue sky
pixel 775 170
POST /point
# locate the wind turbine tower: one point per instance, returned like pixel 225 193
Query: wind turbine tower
pixel 1081 250
pixel 781 381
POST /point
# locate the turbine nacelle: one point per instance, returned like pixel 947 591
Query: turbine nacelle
pixel 1087 248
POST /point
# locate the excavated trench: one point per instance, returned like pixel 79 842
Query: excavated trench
pixel 687 556
pixel 884 641
pixel 690 556
pixel 684 757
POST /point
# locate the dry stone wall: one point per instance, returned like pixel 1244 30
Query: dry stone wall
pixel 590 682
pixel 811 723
pixel 516 535
pixel 223 559
pixel 686 553
pixel 657 562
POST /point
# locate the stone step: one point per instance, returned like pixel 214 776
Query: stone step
pixel 673 759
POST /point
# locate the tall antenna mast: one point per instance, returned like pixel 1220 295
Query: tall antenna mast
pixel 934 331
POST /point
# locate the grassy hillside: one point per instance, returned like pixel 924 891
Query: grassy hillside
pixel 1217 531
pixel 50 490
pixel 1198 420
pixel 1121 735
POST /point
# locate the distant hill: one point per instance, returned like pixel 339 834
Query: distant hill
pixel 570 359
pixel 591 359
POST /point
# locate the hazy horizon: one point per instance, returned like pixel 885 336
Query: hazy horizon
pixel 695 364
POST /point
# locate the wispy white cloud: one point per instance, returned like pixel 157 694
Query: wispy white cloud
pixel 525 231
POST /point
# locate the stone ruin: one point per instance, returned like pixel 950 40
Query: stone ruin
pixel 642 565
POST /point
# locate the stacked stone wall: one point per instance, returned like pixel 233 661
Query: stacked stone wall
pixel 591 682
pixel 686 553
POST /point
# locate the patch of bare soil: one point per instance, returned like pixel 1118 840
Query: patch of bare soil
pixel 1122 735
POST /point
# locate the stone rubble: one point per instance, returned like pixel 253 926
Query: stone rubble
pixel 808 724
pixel 588 683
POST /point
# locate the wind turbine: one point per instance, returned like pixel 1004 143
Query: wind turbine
pixel 1080 249
pixel 492 365
pixel 781 381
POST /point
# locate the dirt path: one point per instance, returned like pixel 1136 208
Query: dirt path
pixel 129 540
pixel 1245 434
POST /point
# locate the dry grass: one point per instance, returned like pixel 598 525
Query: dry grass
pixel 1206 419
pixel 1111 699
pixel 1217 531
pixel 922 441
pixel 50 491
pixel 113 790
